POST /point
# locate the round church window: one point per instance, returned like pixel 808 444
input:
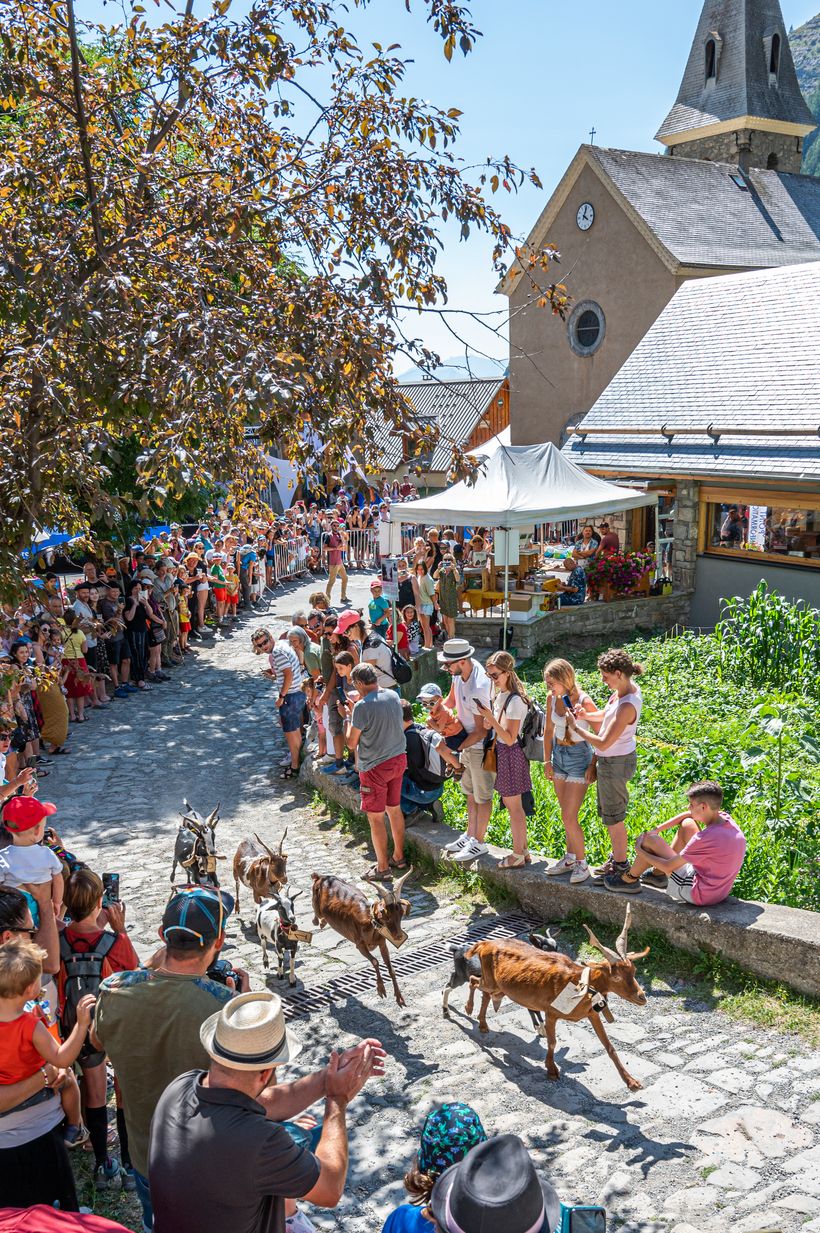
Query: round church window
pixel 586 328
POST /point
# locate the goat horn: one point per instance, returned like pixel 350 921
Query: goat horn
pixel 282 841
pixel 262 844
pixel 610 955
pixel 400 882
pixel 213 818
pixel 387 896
pixel 620 945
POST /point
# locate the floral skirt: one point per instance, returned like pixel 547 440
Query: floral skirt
pixel 513 776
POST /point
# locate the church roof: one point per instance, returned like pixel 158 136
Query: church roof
pixel 738 355
pixel 743 85
pixel 706 214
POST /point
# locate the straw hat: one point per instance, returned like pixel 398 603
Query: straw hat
pixel 249 1033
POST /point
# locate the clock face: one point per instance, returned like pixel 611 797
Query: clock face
pixel 585 216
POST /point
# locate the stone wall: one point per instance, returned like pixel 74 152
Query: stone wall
pixel 425 670
pixel 593 622
pixel 685 534
pixel 747 148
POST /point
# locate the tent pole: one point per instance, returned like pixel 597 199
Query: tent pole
pixel 506 588
pixel 658 553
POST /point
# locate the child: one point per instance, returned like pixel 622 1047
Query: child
pixel 379 609
pixel 25 1040
pixel 415 635
pixel 313 690
pixel 184 617
pixel 702 862
pixel 402 639
pixel 440 718
pixel 232 586
pixel 29 865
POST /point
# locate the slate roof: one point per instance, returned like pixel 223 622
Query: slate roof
pixel 743 85
pixel 737 352
pixel 704 218
pixel 455 407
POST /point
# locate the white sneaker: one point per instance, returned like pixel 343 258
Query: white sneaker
pixel 580 872
pixel 456 845
pixel 565 865
pixel 470 851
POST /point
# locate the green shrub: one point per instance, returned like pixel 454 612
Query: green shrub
pixel 769 640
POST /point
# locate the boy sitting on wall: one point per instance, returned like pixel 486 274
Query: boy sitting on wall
pixel 702 862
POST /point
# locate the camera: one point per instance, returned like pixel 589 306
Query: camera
pixel 111 889
pixel 221 971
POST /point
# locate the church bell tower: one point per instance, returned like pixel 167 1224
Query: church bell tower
pixel 739 101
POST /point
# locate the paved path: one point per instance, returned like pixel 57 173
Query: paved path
pixel 726 1131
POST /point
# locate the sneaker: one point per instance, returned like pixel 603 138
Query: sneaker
pixel 580 873
pixel 471 850
pixel 410 819
pixel 122 691
pixel 437 810
pixel 326 760
pixel 456 845
pixel 565 864
pixel 75 1136
pixel 609 869
pixel 618 883
pixel 653 877
pixel 335 770
pixel 132 689
pixel 107 1176
pixel 129 1182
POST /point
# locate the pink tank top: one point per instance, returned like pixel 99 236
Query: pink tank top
pixel 625 743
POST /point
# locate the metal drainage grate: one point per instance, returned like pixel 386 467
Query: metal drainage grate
pixel 362 980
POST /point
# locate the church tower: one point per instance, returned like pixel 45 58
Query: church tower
pixel 739 101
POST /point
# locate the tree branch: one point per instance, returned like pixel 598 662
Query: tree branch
pixel 82 123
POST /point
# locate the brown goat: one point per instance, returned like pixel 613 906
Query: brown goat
pixel 367 925
pixel 259 868
pixel 542 982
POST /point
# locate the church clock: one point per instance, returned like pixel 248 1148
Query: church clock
pixel 585 216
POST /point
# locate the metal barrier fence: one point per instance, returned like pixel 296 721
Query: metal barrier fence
pixel 289 559
pixel 557 532
pixel 361 551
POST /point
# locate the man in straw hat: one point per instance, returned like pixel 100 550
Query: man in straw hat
pixel 470 689
pixel 216 1160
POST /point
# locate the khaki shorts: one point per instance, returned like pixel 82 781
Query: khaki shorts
pixel 476 782
pixel 614 775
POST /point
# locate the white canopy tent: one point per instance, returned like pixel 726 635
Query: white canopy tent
pixel 521 486
pixel 489 447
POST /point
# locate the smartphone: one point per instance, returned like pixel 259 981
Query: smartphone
pixel 111 889
pixel 583 1220
pixel 567 701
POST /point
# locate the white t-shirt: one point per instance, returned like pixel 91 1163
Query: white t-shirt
pixel 516 708
pixel 34 865
pixel 84 612
pixel 379 657
pixel 475 689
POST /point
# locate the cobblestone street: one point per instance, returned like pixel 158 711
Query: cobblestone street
pixel 726 1132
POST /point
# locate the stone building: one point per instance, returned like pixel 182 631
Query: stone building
pixel 633 228
pixel 718 409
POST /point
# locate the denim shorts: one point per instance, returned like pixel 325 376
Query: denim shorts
pixel 571 762
pixel 291 711
pixel 426 609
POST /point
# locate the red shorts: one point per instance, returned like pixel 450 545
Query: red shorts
pixel 381 785
pixel 233 600
pixel 184 627
pixel 220 595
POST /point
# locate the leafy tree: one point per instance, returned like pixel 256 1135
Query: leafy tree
pixel 207 223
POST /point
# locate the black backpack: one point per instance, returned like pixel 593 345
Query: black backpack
pixel 428 745
pixel 400 669
pixel 83 973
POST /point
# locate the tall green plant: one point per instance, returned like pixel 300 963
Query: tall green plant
pixel 768 640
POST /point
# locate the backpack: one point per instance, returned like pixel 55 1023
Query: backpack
pixel 83 973
pixel 400 669
pixel 427 744
pixel 531 733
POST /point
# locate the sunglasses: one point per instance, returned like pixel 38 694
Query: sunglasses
pixel 32 933
pixel 495 676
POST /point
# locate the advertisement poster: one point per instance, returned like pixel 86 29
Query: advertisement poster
pixel 757 525
pixel 390 578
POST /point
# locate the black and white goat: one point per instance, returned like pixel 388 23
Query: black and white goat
pixel 276 924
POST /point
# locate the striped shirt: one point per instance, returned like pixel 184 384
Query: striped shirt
pixel 281 657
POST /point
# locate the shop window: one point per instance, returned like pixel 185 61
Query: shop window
pixel 787 530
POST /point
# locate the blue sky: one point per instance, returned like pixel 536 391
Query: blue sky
pixel 543 74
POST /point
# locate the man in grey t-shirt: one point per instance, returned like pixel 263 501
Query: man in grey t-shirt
pixel 375 729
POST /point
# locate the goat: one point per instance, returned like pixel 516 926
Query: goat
pixel 195 847
pixel 367 925
pixel 560 988
pixel 464 969
pixel 276 924
pixel 259 868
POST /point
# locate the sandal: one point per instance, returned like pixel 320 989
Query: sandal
pixel 398 864
pixel 374 874
pixel 290 772
pixel 515 861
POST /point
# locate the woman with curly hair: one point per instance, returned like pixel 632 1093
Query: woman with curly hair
pixel 449 1133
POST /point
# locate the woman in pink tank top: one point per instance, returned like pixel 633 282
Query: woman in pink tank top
pixel 615 751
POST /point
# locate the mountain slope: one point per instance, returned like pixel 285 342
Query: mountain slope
pixel 805 43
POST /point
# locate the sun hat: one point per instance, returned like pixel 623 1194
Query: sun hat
pixel 430 693
pixel 249 1033
pixel 347 619
pixel 494 1187
pixel 448 1134
pixel 377 582
pixel 455 649
pixel 195 917
pixel 22 813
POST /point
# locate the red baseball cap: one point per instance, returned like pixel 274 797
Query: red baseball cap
pixel 22 813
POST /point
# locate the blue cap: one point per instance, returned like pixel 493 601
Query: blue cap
pixel 195 916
